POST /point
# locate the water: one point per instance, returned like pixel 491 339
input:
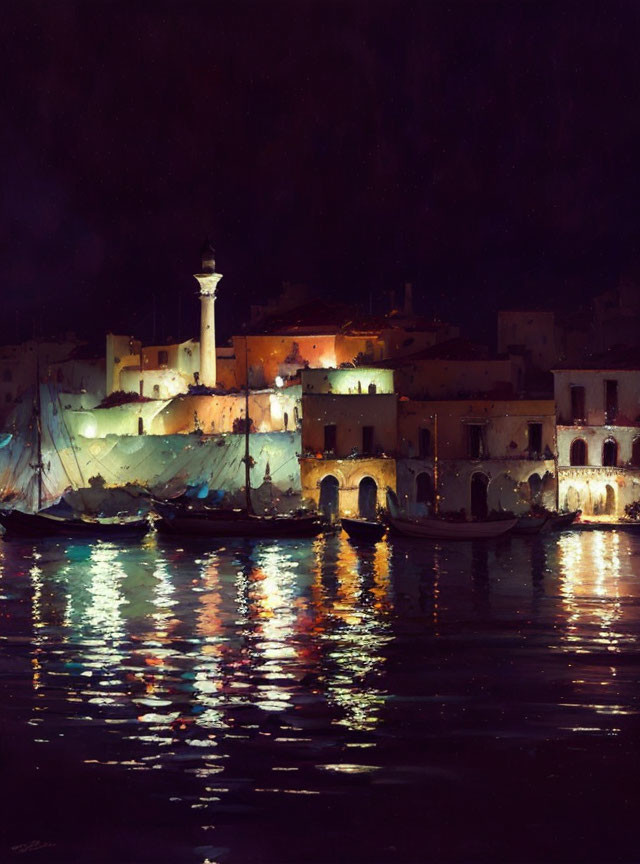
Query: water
pixel 311 701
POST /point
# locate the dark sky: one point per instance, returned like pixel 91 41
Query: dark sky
pixel 489 152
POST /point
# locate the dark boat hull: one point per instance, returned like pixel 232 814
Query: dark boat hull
pixel 362 530
pixel 563 520
pixel 211 524
pixel 528 525
pixel 18 524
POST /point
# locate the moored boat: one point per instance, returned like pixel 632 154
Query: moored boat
pixel 530 524
pixel 363 530
pixel 563 520
pixel 208 522
pixel 441 529
pixel 18 524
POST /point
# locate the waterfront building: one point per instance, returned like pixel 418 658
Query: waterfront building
pixel 349 434
pixel 598 431
pixel 482 455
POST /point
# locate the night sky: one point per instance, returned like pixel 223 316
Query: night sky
pixel 487 152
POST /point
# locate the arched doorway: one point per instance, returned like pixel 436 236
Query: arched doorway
pixel 610 453
pixel 610 501
pixel 367 498
pixel 535 489
pixel 424 492
pixel 578 452
pixel 572 500
pixel 479 483
pixel 329 491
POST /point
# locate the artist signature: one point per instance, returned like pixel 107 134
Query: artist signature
pixel 33 846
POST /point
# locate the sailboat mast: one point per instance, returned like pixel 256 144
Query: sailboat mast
pixel 436 495
pixel 247 421
pixel 38 465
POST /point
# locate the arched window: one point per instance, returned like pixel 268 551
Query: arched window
pixel 610 453
pixel 635 452
pixel 578 453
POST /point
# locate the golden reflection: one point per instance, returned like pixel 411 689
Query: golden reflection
pixel 352 601
pixel 207 672
pixel 591 567
pixel 275 608
pixel 589 587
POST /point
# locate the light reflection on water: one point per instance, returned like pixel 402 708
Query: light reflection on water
pixel 254 670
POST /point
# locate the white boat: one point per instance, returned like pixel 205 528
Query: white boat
pixel 441 529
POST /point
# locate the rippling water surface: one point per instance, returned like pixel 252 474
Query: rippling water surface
pixel 313 701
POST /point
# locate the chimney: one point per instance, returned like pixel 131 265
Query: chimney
pixel 408 299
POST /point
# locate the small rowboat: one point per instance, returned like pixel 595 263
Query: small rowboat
pixel 563 520
pixel 528 525
pixel 362 530
pixel 441 529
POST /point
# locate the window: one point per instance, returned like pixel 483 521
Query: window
pixel 367 439
pixel 635 453
pixel 286 421
pixel 163 358
pixel 610 401
pixel 535 440
pixel 578 452
pixel 372 389
pixel 475 440
pixel 156 391
pixel 610 453
pixel 424 443
pixel 578 414
pixel 330 437
pixel 140 426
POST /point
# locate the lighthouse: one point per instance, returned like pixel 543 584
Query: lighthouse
pixel 208 281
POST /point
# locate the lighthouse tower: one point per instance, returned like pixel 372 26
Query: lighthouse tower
pixel 208 281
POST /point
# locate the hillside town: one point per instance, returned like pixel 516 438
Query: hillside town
pixel 341 405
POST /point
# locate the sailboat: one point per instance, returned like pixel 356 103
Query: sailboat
pixel 17 523
pixel 437 528
pixel 181 518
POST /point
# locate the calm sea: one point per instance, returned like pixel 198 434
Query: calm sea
pixel 311 701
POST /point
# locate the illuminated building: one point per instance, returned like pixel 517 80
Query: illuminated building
pixel 349 429
pixel 598 429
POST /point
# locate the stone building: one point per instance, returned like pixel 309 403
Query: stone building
pixel 480 455
pixel 598 431
pixel 349 433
